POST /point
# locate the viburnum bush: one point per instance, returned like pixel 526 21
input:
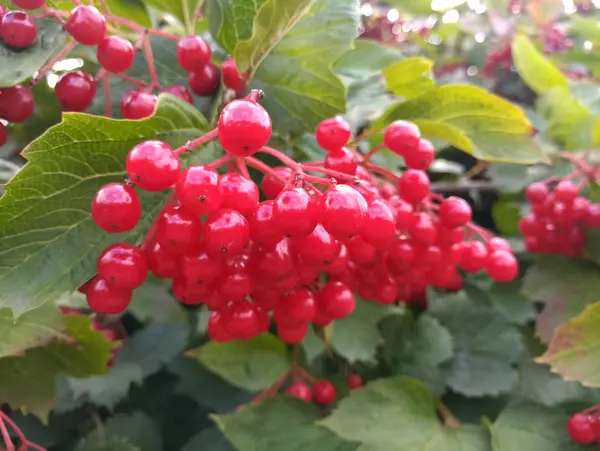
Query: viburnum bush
pixel 298 224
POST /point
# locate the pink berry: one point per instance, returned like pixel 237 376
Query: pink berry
pixel 137 104
pixel 193 53
pixel 115 54
pixel 300 390
pixel 199 190
pixel 205 81
pixel 231 76
pixel 244 127
pixel 401 137
pixel 343 211
pixel 580 429
pixel 153 166
pixel 324 392
pixel 87 25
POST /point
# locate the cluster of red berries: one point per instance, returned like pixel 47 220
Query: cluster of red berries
pixel 584 427
pixel 558 219
pixel 322 391
pixel 497 60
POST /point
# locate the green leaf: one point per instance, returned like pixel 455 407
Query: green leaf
pixel 312 345
pixel 33 329
pixel 165 58
pixel 175 7
pixel 154 302
pixel 210 439
pixel 586 27
pixel 473 120
pixel 409 78
pixel 416 347
pixel 399 414
pixel 253 364
pixel 48 240
pixel 130 9
pixel 356 337
pixel 365 60
pixel 29 381
pixel 98 441
pixel 565 286
pixel 531 427
pixel 485 346
pixel 138 428
pixel 281 421
pixel 534 68
pixel 18 66
pixel 575 348
pixel 506 213
pixel 507 299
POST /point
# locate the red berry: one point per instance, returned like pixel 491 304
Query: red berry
pixel 153 166
pixel 536 193
pixel 199 266
pixel 17 29
pixel 342 160
pixel 102 298
pixel 189 292
pixel 193 53
pixel 502 266
pixel 244 127
pixel 566 192
pixel 296 211
pixel 239 193
pixel 3 134
pixel 421 157
pixel 116 208
pixel 161 262
pixel 404 211
pixel 231 76
pixel 292 334
pixel 592 219
pixel 181 92
pixel 75 91
pixel 379 226
pixel 318 248
pixel 137 104
pixel 87 25
pixel 199 190
pixel 454 212
pixel 336 300
pixel 274 259
pixel 29 4
pixel 333 133
pixel 115 54
pixel 413 186
pixel 498 244
pixel 343 211
pixel 205 81
pixel 264 228
pixel 16 103
pixel 215 329
pixel 402 251
pixel 226 232
pixel 473 256
pixel 123 266
pixel 296 308
pixel 179 230
pixel 580 429
pixel 240 320
pixel 271 185
pixel 324 392
pixel 354 381
pixel 401 137
pixel 300 390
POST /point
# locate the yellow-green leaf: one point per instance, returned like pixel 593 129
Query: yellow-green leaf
pixel 409 78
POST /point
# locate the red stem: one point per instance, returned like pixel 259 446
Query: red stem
pixel 386 173
pixel 241 167
pixel 372 152
pixel 135 81
pixel 50 64
pixel 265 169
pixel 139 28
pixel 220 162
pixel 329 172
pixel 283 158
pixel 191 145
pixel 6 436
pixel 150 61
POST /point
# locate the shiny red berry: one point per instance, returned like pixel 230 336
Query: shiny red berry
pixel 420 157
pixel 272 185
pixel 205 81
pixel 401 137
pixel 244 127
pixel 106 299
pixel 536 193
pixel 199 266
pixel 137 104
pixel 324 392
pixel 264 227
pixel 334 133
pixel 566 192
pixel 379 225
pixel 318 248
pixel 87 25
pixel 502 266
pixel 181 92
pixel 241 320
pixel 17 29
pixel 336 300
pixel 153 166
pixel 215 330
pixel 354 381
pixel 342 160
pixel 231 76
pixel 193 53
pixel 239 193
pixel 292 334
pixel 161 262
pixel 199 189
pixel 115 54
pixel 189 292
pixel 343 211
pixel 123 265
pixel 29 4
pixel 297 307
pixel 178 230
pixel 226 232
pixel 296 211
pixel 116 208
pixel 16 103
pixel 580 429
pixel 413 185
pixel 75 91
pixel 300 390
pixel 454 212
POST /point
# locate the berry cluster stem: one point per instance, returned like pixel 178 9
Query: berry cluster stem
pixel 191 145
pixel 25 444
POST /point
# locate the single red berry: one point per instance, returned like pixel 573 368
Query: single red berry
pixel 264 227
pixel 3 134
pixel 189 292
pixel 334 133
pixel 342 160
pixel 420 157
pixel 339 263
pixel 413 186
pixel 566 192
pixel 404 211
pixel 292 334
pixel 226 232
pixel 536 193
pixel 244 127
pixel 272 185
pixel 17 29
pixel 103 298
pixel 300 390
pixel 454 212
pixel 354 381
pixel 336 300
pixel 502 266
pixel 199 190
pixel 205 81
pixel 580 429
pixel 318 248
pixel 215 329
pixel 402 251
pixel 231 76
pixel 193 53
pixel 123 266
pixel 153 166
pixel 161 262
pixel 116 208
pixel 75 91
pixel 240 320
pixel 472 256
pixel 239 193
pixel 181 92
pixel 274 259
pixel 29 4
pixel 401 137
pixel 498 244
pixel 296 308
pixel 178 230
pixel 115 54
pixel 343 211
pixel 87 25
pixel 16 103
pixel 198 266
pixel 296 211
pixel 324 392
pixel 137 104
pixel 592 218
pixel 379 226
